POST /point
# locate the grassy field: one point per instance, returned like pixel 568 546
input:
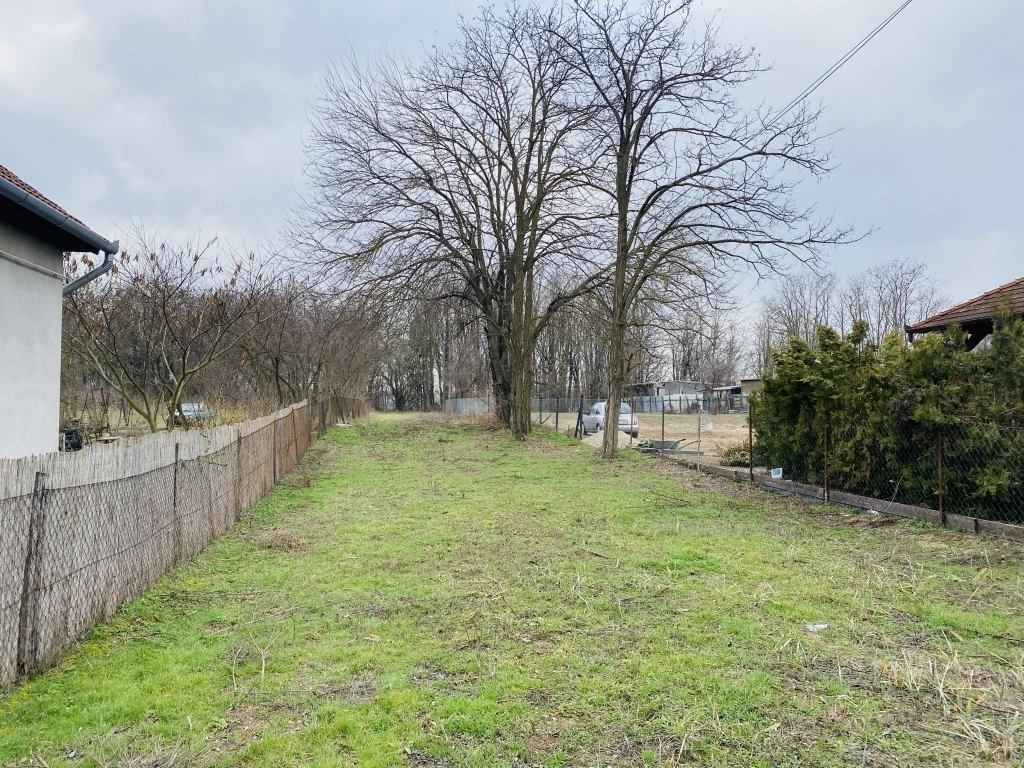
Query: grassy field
pixel 422 593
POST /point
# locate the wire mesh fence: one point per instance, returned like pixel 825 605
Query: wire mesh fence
pixel 82 533
pixel 966 469
pixel 686 417
pixel 969 470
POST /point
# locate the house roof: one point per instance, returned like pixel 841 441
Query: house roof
pixel 7 175
pixel 977 311
pixel 24 207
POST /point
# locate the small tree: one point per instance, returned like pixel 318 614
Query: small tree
pixel 162 315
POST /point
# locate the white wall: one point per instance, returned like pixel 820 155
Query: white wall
pixel 30 316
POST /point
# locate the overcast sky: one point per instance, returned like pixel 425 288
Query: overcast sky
pixel 189 115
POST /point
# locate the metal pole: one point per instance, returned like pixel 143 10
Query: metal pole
pixel 662 421
pixel 826 464
pixel 700 410
pixel 540 411
pixel 750 443
pixel 558 409
pixel 942 506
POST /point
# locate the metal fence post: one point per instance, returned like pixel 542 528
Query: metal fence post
pixel 700 411
pixel 28 616
pixel 540 410
pixel 558 408
pixel 825 473
pixel 663 421
pixel 750 443
pixel 942 506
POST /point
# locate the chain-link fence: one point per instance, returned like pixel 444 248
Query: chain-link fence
pixel 973 470
pixel 82 533
pixel 685 418
pixel 964 472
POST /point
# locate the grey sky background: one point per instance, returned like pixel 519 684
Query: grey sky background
pixel 189 115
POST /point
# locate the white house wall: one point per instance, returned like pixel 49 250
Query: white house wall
pixel 30 317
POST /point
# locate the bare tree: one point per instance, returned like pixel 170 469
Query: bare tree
pixel 887 296
pixel 801 304
pixel 705 345
pixel 310 332
pixel 699 188
pixel 162 315
pixel 461 178
pixel 899 292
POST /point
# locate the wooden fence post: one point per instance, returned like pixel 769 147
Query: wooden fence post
pixel 277 423
pixel 31 585
pixel 176 558
pixel 238 477
pixel 295 437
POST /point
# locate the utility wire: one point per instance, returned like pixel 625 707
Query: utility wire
pixel 838 65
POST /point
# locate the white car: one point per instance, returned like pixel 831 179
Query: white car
pixel 593 420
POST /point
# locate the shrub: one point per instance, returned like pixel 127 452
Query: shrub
pixel 888 410
pixel 736 455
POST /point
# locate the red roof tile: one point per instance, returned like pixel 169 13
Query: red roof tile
pixel 977 309
pixel 13 179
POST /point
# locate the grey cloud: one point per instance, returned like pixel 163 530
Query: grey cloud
pixel 190 114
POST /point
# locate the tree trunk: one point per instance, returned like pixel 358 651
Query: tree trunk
pixel 620 308
pixel 616 386
pixel 511 376
pixel 521 397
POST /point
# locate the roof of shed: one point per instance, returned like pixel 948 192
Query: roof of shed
pixel 977 310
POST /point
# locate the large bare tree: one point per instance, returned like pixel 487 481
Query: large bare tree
pixel 462 177
pixel 698 187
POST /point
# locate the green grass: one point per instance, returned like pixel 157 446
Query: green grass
pixel 428 593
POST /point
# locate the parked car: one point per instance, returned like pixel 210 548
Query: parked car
pixel 71 440
pixel 196 415
pixel 593 420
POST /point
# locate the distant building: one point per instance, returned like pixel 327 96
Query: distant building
pixel 34 235
pixel 750 386
pixel 974 316
pixel 673 387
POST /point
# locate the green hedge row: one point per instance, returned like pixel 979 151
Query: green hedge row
pixel 908 423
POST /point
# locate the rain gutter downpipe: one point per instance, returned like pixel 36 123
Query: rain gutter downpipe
pixel 64 222
pixel 88 277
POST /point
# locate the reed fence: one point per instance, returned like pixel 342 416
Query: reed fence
pixel 83 533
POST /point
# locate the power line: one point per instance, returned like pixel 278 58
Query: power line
pixel 836 67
